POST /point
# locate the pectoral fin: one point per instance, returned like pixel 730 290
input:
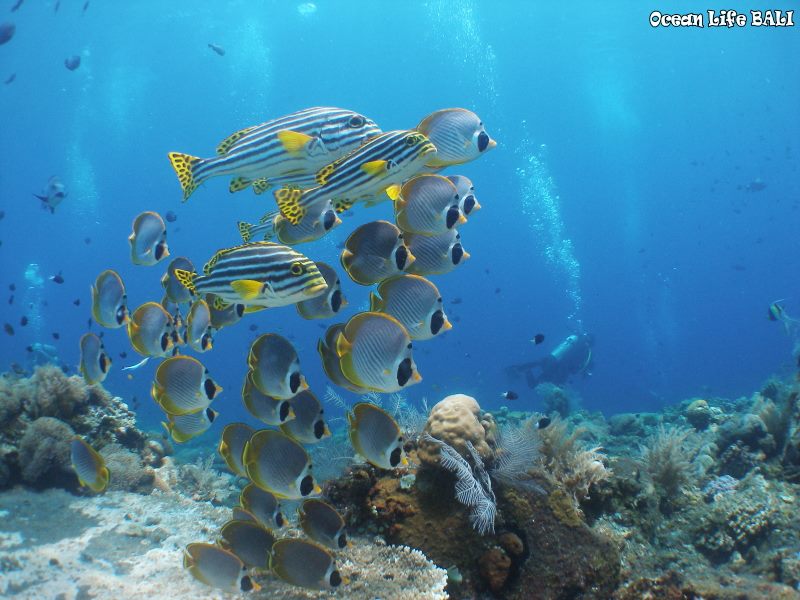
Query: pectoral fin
pixel 248 289
pixel 293 141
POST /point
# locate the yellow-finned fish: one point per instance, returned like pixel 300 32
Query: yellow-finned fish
pixel 150 330
pixel 218 568
pixel 149 239
pixel 250 541
pixel 172 287
pixel 231 446
pixel 266 409
pixel 305 564
pixel 436 254
pixel 315 224
pixel 260 274
pixel 327 304
pixel 275 367
pixel 225 315
pixel 375 251
pixel 308 426
pixel 376 436
pixel 286 150
pixel 199 332
pixel 378 166
pixel 374 352
pixel 322 523
pixel 183 428
pixel 330 360
pixel 95 362
pixel 278 464
pixel 428 204
pixel 109 300
pixel 468 203
pixel 183 386
pixel 458 134
pixel 415 302
pixel 264 506
pixel 89 466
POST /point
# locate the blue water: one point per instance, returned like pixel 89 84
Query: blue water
pixel 615 202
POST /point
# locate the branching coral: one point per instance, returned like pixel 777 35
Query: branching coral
pixel 44 451
pixel 202 482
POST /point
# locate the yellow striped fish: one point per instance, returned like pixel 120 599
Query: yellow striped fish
pixel 261 274
pixel 286 150
pixel 378 166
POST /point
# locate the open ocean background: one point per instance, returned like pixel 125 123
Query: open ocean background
pixel 616 201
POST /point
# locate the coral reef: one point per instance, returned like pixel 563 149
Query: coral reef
pixel 456 420
pixel 38 416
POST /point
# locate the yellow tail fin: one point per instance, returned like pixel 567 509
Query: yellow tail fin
pixel 245 230
pixel 184 166
pixel 260 186
pixel 288 199
pixel 238 184
pixel 186 279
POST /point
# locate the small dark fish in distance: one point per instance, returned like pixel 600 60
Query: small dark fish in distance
pixel 11 299
pixel 57 278
pixel 85 7
pixel 77 302
pixel 543 422
pixel 56 335
pixel 87 240
pixel 218 49
pixel 6 32
pixel 123 354
pixel 253 327
pixel 8 329
pixel 16 6
pixel 12 286
pixel 538 338
pixel 57 6
pixel 755 186
pixel 10 78
pixel 2 215
pixel 89 322
pixel 509 395
pixel 456 300
pixel 171 217
pixel 73 62
pixel 23 321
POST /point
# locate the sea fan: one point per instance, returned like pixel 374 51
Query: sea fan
pixel 518 450
pixel 336 399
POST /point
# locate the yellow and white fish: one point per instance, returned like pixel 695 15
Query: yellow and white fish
pixel 88 465
pixel 231 446
pixel 275 367
pixel 327 304
pixel 326 348
pixel 263 505
pixel 278 464
pixel 378 166
pixel 376 436
pixel 250 541
pixel 149 239
pixel 183 428
pixel 199 332
pixel 415 302
pixel 375 352
pixel 286 150
pixel 468 203
pixel 308 426
pixel 260 274
pixel 322 523
pixel 218 568
pixel 173 288
pixel 95 362
pixel 315 224
pixel 150 330
pixel 458 134
pixel 428 204
pixel 305 564
pixel 109 300
pixel 182 386
pixel 375 251
pixel 268 410
pixel 436 254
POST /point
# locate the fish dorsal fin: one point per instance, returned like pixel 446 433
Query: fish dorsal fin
pixel 238 184
pixel 293 141
pixel 260 186
pixel 375 167
pixel 343 346
pixel 342 204
pixel 254 308
pixel 375 302
pixel 288 199
pixel 268 216
pixel 248 289
pixel 245 230
pixel 393 191
pixel 229 141
pixel 186 279
pixel 324 173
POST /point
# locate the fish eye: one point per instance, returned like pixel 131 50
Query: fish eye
pixel 410 345
pixel 240 310
pixel 342 542
pixel 210 389
pixel 469 204
pixel 394 457
pixel 336 579
pixel 319 429
pixel 306 485
pixel 452 216
pixel 279 519
pixel 411 140
pixel 283 411
pixel 356 121
pixel 211 415
pixel 294 381
pixel 336 301
pixel 296 268
pixel 246 584
pixel 404 372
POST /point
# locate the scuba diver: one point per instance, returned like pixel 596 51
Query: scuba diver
pixel 571 357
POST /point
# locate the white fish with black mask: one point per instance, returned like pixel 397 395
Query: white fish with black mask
pixel 53 194
pixel 149 239
pixel 458 134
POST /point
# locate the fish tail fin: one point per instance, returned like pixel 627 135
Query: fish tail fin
pixel 375 302
pixel 186 279
pixel 238 184
pixel 288 199
pixel 184 165
pixel 260 186
pixel 245 230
